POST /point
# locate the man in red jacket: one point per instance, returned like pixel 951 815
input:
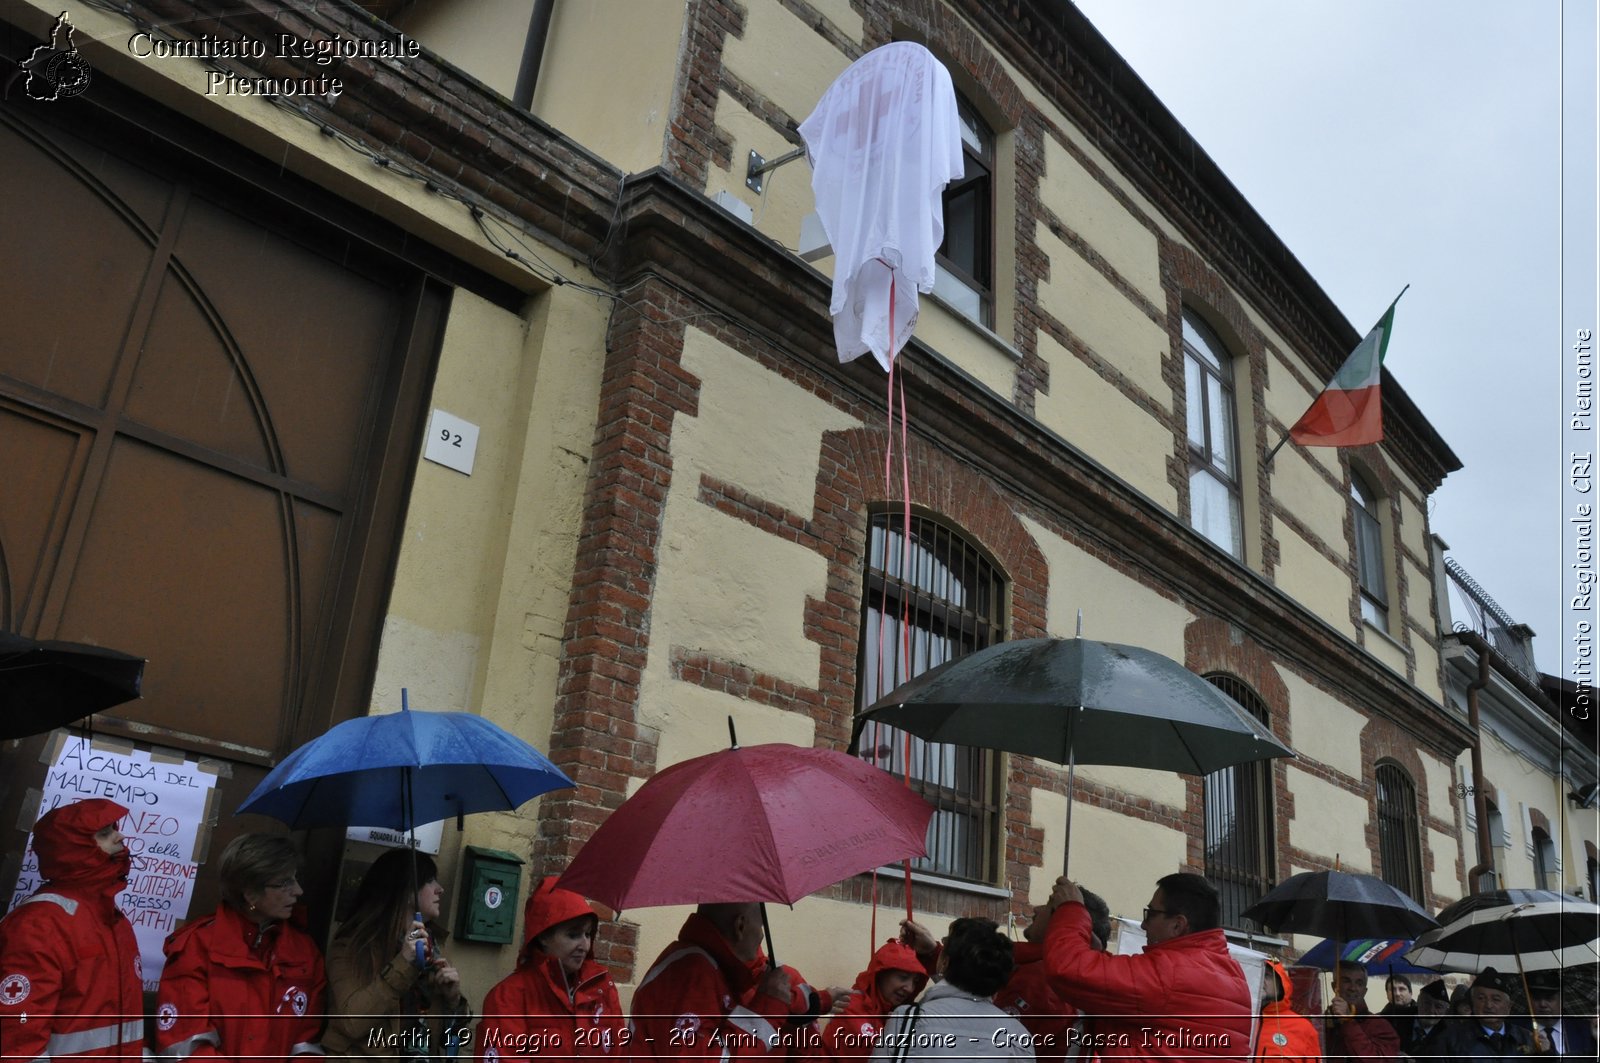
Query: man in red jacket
pixel 1182 997
pixel 1057 1029
pixel 688 1004
pixel 1353 1031
pixel 70 977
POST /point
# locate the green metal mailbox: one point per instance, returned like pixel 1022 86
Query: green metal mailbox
pixel 491 891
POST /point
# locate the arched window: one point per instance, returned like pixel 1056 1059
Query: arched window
pixel 1544 861
pixel 1215 500
pixel 954 598
pixel 1399 848
pixel 965 262
pixel 1239 821
pixel 1370 571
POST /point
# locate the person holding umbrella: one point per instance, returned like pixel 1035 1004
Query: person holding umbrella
pixel 1356 1033
pixel 1183 997
pixel 389 997
pixel 244 983
pixel 69 964
pixel 558 1003
pixel 1555 1035
pixel 1055 1025
pixel 688 1004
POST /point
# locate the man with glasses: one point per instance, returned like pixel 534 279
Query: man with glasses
pixel 1183 997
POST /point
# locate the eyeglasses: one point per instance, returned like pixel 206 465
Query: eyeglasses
pixel 284 883
pixel 1148 912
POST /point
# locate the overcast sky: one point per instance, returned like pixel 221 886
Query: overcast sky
pixel 1394 142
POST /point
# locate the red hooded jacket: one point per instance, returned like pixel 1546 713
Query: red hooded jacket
pixel 1285 1033
pixel 853 1033
pixel 1182 998
pixel 689 1004
pixel 70 976
pixel 537 1010
pixel 231 989
pixel 1032 999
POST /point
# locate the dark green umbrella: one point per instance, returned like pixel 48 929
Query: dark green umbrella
pixel 1075 701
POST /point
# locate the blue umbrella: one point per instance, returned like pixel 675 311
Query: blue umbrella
pixel 402 769
pixel 1376 955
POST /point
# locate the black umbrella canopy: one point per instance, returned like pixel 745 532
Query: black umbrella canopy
pixel 44 685
pixel 1079 700
pixel 1499 899
pixel 1340 905
pixel 1542 930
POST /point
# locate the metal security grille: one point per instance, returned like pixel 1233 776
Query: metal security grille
pixel 1399 851
pixel 953 598
pixel 1239 829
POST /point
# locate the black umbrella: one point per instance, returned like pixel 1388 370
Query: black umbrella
pixel 1521 930
pixel 1340 905
pixel 44 685
pixel 1074 701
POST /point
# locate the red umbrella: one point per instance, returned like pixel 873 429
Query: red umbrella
pixel 763 823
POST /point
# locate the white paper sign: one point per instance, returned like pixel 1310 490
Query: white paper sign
pixel 452 442
pixel 167 801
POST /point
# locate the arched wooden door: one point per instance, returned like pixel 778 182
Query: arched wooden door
pixel 210 404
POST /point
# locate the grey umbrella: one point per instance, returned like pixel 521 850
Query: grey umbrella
pixel 1074 701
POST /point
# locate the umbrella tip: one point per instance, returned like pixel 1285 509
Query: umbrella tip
pixel 733 736
pixel 1080 625
pixel 405 701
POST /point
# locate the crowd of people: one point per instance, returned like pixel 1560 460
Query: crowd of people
pixel 248 983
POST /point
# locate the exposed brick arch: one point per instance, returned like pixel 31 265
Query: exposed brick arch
pixel 1212 645
pixel 1383 742
pixel 850 479
pixel 976 63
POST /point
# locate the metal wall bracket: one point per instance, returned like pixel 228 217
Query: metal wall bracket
pixel 758 166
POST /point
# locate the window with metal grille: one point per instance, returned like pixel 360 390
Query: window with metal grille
pixel 1399 846
pixel 1369 554
pixel 1215 506
pixel 1239 827
pixel 965 262
pixel 927 600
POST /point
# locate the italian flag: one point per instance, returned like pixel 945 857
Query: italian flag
pixel 1349 412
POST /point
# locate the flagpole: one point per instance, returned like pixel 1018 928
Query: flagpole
pixel 1274 451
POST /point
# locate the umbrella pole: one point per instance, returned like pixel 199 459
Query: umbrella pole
pixel 1072 771
pixel 772 956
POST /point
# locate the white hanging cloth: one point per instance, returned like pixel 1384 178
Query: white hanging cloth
pixel 883 142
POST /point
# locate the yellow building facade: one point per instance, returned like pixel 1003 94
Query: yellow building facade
pixel 677 509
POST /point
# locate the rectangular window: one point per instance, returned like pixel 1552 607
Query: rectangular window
pixel 925 602
pixel 1215 500
pixel 965 262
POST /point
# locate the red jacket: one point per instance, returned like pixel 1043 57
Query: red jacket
pixel 853 1033
pixel 1183 998
pixel 688 1005
pixel 534 1012
pixel 1285 1033
pixel 70 977
pixel 1362 1036
pixel 232 991
pixel 529 1013
pixel 1032 999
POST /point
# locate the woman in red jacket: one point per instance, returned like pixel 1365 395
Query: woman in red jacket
pixel 69 966
pixel 558 1002
pixel 894 977
pixel 244 983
